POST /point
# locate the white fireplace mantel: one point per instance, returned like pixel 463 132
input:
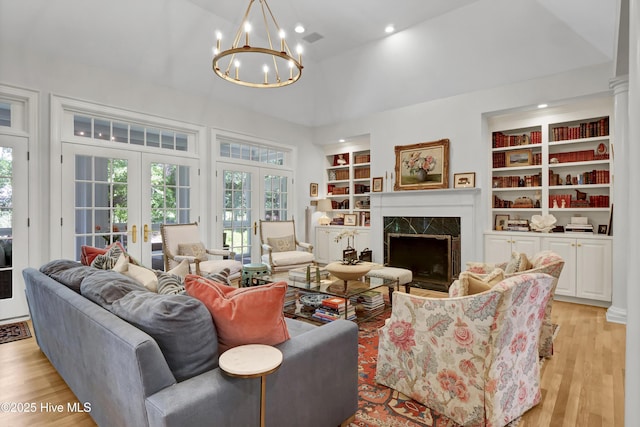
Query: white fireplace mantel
pixel 459 202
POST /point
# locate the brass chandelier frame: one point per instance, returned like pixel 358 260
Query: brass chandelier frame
pixel 237 51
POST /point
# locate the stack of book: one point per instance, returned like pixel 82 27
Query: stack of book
pixel 335 308
pixel 578 224
pixel 372 301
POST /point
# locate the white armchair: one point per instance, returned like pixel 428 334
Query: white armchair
pixel 182 241
pixel 280 247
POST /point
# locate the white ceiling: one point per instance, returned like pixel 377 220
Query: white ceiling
pixel 440 48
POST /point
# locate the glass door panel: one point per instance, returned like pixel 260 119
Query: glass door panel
pixel 13 226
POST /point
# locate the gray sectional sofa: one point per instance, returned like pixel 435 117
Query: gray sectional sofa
pixel 122 371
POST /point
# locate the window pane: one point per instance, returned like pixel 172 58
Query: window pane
pixel 121 132
pixel 82 126
pixel 5 114
pixel 84 194
pixel 225 150
pixel 167 140
pixel 83 168
pixel 102 129
pixel 182 142
pixel 153 138
pixel 137 135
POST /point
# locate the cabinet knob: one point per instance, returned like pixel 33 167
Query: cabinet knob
pixel 579 245
pixel 573 244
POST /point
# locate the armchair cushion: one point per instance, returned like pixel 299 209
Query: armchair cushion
pixel 196 250
pixel 518 263
pixel 242 315
pixel 282 244
pixel 290 258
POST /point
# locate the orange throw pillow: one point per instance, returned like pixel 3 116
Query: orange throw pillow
pixel 250 315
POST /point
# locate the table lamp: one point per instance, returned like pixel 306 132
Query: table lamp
pixel 324 206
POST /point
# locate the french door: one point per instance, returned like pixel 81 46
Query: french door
pixel 13 225
pixel 119 195
pixel 249 194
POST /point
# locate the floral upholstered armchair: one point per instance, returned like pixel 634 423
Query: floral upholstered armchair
pixel 474 359
pixel 546 261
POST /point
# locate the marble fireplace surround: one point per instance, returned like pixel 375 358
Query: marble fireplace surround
pixel 455 203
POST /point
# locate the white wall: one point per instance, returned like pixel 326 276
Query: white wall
pixel 62 77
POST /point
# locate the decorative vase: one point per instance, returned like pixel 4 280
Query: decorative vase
pixel 421 175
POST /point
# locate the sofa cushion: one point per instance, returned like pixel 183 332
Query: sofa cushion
pixel 282 244
pixel 289 258
pixel 104 287
pixel 250 315
pixel 181 326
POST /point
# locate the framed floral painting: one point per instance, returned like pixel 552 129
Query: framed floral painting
pixel 423 166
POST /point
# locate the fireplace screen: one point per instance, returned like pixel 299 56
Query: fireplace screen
pixel 433 259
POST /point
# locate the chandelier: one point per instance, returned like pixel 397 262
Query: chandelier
pixel 256 66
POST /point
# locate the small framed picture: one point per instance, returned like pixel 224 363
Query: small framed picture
pixel 501 222
pixel 313 189
pixel 462 180
pixel 350 219
pixel 602 229
pixel 519 158
pixel 376 186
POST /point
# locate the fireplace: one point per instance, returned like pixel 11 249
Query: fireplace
pixel 428 246
pixel 434 260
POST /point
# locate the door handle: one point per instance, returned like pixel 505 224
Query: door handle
pixel 146 233
pixel 134 233
pixel 255 228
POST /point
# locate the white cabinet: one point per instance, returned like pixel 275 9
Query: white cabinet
pixel 587 270
pixel 498 246
pixel 329 250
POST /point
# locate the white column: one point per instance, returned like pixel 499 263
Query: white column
pixel 632 228
pixel 618 310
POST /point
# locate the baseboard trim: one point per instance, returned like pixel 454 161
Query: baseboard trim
pixel 617 315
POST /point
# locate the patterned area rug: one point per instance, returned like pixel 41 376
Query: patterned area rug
pixel 384 407
pixel 14 332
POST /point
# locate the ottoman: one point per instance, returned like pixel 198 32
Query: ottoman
pixel 403 275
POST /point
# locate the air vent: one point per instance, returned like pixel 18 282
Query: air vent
pixel 312 38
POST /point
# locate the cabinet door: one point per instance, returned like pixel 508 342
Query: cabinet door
pixel 322 246
pixel 593 269
pixel 566 248
pixel 497 248
pixel 530 245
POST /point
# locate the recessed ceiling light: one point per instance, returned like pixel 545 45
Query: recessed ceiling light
pixel 342 140
pixel 389 29
pixel 299 29
pixel 542 105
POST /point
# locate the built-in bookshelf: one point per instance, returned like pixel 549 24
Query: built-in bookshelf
pixel 556 163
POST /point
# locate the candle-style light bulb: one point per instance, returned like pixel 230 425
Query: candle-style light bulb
pixel 247 30
pixel 291 64
pixel 218 39
pixel 282 36
pixel 237 64
pixel 299 50
pixel 266 73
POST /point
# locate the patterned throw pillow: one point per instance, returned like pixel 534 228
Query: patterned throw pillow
pixel 89 253
pixel 518 263
pixel 282 244
pixel 109 259
pixel 193 249
pixel 220 277
pixel 170 284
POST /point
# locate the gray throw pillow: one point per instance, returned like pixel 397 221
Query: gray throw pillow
pixel 104 287
pixel 67 272
pixel 181 325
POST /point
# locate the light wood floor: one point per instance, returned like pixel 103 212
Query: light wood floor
pixel 582 384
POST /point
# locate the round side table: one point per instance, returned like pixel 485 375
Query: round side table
pixel 252 361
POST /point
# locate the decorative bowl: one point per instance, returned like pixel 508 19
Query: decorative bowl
pixel 313 300
pixel 348 271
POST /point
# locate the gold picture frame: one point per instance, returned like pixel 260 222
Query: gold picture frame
pixel 350 219
pixel 313 189
pixel 422 166
pixel 376 184
pixel 518 158
pixel 464 180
